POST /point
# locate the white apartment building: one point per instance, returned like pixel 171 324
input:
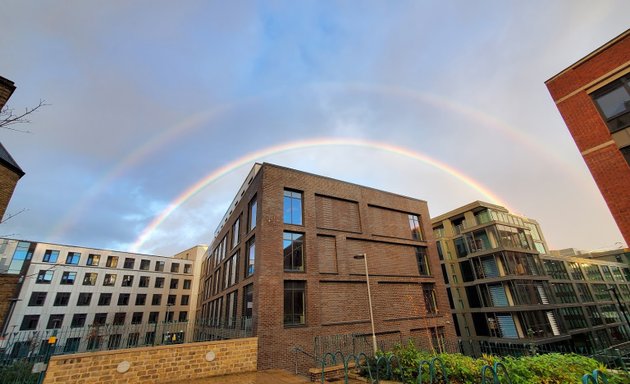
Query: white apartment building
pixel 65 288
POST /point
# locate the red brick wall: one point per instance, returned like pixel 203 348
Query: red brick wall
pixel 8 290
pixel 607 165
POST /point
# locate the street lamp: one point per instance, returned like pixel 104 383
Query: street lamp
pixel 367 279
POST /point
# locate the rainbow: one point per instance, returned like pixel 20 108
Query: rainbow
pixel 302 144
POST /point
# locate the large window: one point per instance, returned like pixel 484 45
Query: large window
pixel 127 281
pixel 105 299
pixel 78 320
pixel 29 322
pixel 159 266
pixel 613 101
pixel 54 322
pixel 293 244
pixel 248 300
pixel 129 262
pixel 44 277
pixel 144 264
pixel 62 299
pixel 73 258
pixel 292 207
pixel 253 208
pixel 93 259
pixel 37 299
pixel 90 278
pixel 84 299
pixel 236 236
pixel 294 302
pixel 430 299
pixel 251 257
pixel 141 299
pixel 423 261
pixel 123 299
pixel 556 269
pixel 414 227
pixel 112 261
pixel 231 271
pixel 50 256
pixel 68 278
pixel 144 282
pixel 110 280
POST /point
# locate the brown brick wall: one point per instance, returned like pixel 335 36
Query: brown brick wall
pixel 8 290
pixel 8 181
pixel 607 165
pixel 163 364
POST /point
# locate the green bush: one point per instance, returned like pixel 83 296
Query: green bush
pixel 553 368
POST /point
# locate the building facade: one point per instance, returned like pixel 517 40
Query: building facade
pixel 505 289
pixel 289 262
pixel 593 97
pixel 64 290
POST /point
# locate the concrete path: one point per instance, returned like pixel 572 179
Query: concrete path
pixel 261 377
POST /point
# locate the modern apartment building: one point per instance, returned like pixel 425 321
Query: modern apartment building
pixel 593 97
pixel 505 289
pixel 64 288
pixel 289 262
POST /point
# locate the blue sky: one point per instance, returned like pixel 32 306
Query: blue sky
pixel 460 82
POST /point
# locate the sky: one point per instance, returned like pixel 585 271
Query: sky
pixel 158 110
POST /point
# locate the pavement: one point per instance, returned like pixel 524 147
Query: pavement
pixel 274 376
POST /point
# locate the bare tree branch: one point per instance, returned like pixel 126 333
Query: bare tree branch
pixel 8 117
pixel 10 216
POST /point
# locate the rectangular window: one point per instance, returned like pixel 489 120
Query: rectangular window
pixel 105 299
pixel 576 272
pixel 607 274
pixel 72 345
pixel 236 236
pixel 248 300
pixel 37 299
pixel 54 322
pixel 78 320
pixel 136 318
pixel 90 278
pixel 187 284
pixel 149 337
pixel 613 101
pixel 67 278
pixel 112 261
pixel 423 261
pixel 253 208
pixel 174 283
pixel 292 211
pixel 129 262
pixel 230 309
pixel 44 277
pixel 153 317
pixel 62 299
pixel 144 282
pixel 159 282
pixel 293 244
pixel 156 299
pixel 29 322
pixel 183 316
pixel 73 258
pixel 430 300
pixel 251 257
pixel 188 268
pixel 141 299
pixel 84 299
pixel 159 266
pixel 127 281
pixel 175 268
pixel 414 227
pixel 145 264
pixel 100 319
pixel 123 299
pixel 294 302
pixel 110 280
pixel 50 256
pixel 185 299
pixel 114 340
pixel 132 339
pixel 93 259
pixel 119 318
pixel 171 300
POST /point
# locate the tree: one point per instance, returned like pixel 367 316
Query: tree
pixel 8 117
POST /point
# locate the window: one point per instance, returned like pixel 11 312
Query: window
pixel 230 309
pixel 576 272
pixel 123 299
pixel 93 259
pixel 50 256
pixel 613 101
pixel 607 274
pixel 430 300
pixel 72 344
pixel 231 271
pixel 156 299
pixel 68 278
pixel 112 261
pixel 294 302
pixel 90 278
pixel 174 283
pixel 185 299
pixel 601 292
pixel 141 299
pixel 251 257
pixel 159 266
pixel 37 299
pixel 564 293
pixel 236 236
pixel 44 277
pixel 100 319
pixel 592 272
pixel 423 262
pixel 29 322
pixel 149 337
pixel 248 300
pixel 169 316
pixel 110 280
pixel 145 264
pixel 136 318
pixel 129 262
pixel 183 316
pixel 105 299
pixel 187 284
pixel 188 268
pixel 171 299
pixel 132 339
pixel 556 269
pixel 62 299
pixel 144 282
pixel 292 207
pixel 293 244
pixel 585 293
pixel 153 317
pixel 54 322
pixel 78 320
pixel 253 207
pixel 119 318
pixel 175 268
pixel 414 227
pixel 73 258
pixel 127 281
pixel 159 282
pixel 114 340
pixel 84 299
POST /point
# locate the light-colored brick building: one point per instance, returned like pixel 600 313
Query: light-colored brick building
pixel 285 263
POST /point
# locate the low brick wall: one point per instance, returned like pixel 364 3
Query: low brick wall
pixel 162 364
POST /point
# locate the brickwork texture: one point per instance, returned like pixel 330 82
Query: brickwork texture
pixel 8 290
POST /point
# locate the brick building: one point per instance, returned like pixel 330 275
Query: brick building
pixel 285 263
pixel 593 97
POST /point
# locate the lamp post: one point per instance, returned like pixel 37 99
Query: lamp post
pixel 367 280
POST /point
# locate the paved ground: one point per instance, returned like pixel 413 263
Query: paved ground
pixel 261 377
